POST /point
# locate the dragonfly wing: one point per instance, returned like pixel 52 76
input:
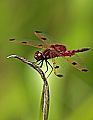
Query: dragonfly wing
pixel 55 68
pixel 76 65
pixel 40 35
pixel 29 43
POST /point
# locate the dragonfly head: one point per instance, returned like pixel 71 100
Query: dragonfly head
pixel 38 56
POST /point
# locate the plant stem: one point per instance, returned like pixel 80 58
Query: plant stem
pixel 45 102
pixel 45 93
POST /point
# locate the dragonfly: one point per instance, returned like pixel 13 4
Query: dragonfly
pixel 52 51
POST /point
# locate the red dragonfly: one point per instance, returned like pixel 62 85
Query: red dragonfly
pixel 51 51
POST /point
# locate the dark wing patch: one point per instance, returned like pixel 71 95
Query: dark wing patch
pixel 84 70
pixel 59 75
pixel 43 38
pixel 24 42
pixel 29 43
pixel 74 63
pixel 40 45
pixel 38 31
pixel 11 39
pixel 56 67
pixel 40 36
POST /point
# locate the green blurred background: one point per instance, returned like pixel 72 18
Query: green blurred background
pixel 70 22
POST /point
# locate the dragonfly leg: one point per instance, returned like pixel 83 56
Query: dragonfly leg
pixel 41 62
pixel 46 66
pixel 51 69
pixel 38 63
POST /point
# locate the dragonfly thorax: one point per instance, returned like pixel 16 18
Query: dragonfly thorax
pixel 46 54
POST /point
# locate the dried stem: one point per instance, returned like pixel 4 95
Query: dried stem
pixel 45 102
pixel 45 93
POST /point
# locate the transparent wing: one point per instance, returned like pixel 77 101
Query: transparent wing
pixel 55 68
pixel 40 35
pixel 76 65
pixel 29 43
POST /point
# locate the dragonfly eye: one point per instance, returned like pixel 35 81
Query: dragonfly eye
pixel 38 55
